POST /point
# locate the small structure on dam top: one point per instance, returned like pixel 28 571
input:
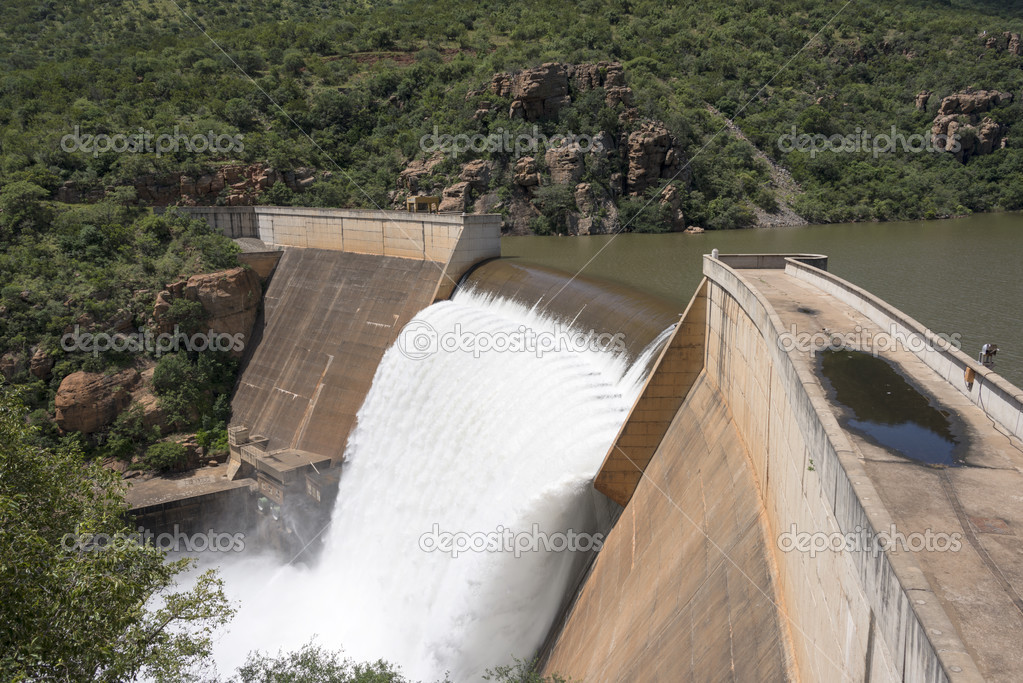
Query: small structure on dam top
pixel 343 284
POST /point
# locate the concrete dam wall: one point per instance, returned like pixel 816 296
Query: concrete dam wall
pixel 693 582
pixel 733 441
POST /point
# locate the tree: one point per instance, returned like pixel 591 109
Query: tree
pixel 80 598
pixel 21 206
pixel 314 664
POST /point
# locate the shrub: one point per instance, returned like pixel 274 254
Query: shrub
pixel 164 456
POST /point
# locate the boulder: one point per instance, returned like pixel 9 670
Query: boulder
pixel 565 164
pixel 86 402
pixel 41 364
pixel 526 174
pixel 455 198
pixel 229 297
pixel 922 99
pixel 477 174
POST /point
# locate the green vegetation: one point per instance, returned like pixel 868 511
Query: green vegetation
pixel 352 87
pixel 164 456
pixel 76 595
pixel 67 270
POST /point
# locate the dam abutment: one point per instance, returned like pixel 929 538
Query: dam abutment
pixel 863 613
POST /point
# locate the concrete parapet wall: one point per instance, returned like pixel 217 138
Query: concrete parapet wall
pixel 999 399
pixel 850 613
pixel 455 240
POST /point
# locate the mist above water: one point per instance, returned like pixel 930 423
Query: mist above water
pixel 448 442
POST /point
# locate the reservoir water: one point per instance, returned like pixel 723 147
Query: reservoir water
pixel 960 276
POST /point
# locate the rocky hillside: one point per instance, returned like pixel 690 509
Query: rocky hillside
pixel 329 104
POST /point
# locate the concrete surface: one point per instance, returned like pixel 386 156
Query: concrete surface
pixel 978 586
pixel 328 318
pixel 676 369
pixel 683 589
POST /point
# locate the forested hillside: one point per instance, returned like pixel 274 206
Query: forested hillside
pixel 344 92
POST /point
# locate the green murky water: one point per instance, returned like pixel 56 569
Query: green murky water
pixel 959 277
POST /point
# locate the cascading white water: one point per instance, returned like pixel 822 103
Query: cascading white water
pixel 456 444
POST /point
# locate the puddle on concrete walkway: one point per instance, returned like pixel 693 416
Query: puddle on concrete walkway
pixel 881 405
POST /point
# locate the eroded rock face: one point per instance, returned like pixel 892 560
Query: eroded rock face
pixel 539 92
pixel 972 102
pixel 526 174
pixel 922 99
pixel 87 402
pixel 652 155
pixel 455 198
pixel 1006 41
pixel 11 364
pixel 410 179
pixel 230 299
pixel 672 198
pixel 565 164
pixel 40 364
pixel 958 128
pixel 477 174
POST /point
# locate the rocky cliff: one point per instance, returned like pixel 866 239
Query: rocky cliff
pixel 633 158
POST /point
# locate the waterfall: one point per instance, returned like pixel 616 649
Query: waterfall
pixel 461 445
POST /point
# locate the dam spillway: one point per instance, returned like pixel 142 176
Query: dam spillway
pixel 474 445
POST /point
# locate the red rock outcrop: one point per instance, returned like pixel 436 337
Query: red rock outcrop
pixel 958 128
pixel 230 299
pixel 455 198
pixel 565 164
pixel 652 154
pixel 86 402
